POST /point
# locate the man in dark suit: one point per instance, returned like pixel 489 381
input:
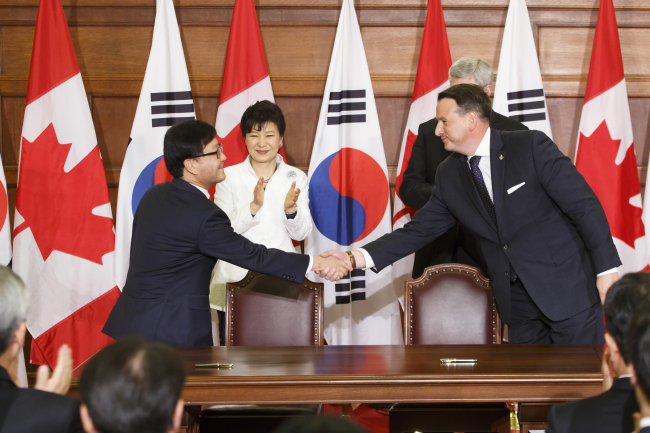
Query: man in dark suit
pixel 456 245
pixel 45 408
pixel 178 235
pixel 538 225
pixel 637 348
pixel 133 386
pixel 611 411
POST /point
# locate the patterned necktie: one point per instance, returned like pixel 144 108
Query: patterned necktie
pixel 485 198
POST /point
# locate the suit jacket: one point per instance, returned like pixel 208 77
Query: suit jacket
pixel 552 229
pixel 178 235
pixel 427 154
pixel 609 412
pixel 34 411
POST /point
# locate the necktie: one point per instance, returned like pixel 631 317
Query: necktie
pixel 485 198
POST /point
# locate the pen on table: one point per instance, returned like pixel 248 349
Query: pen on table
pixel 213 365
pixel 457 361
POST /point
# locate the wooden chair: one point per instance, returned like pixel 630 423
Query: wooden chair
pixel 267 311
pixel 450 304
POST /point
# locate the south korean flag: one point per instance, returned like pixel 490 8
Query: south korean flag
pixel 349 194
pixel 519 93
pixel 165 100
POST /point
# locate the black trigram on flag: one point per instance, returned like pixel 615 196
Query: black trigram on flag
pixel 171 108
pixel 528 103
pixel 351 288
pixel 350 102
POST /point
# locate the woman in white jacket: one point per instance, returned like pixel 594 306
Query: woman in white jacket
pixel 266 200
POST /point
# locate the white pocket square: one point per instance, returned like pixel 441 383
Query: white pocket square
pixel 516 187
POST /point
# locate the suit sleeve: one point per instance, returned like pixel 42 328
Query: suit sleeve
pixel 415 191
pixel 219 240
pixel 573 195
pixel 551 421
pixel 427 224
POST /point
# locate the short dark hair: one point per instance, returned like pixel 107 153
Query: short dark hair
pixel 318 424
pixel 637 343
pixel 259 114
pixel 184 141
pixel 623 298
pixel 469 97
pixel 133 386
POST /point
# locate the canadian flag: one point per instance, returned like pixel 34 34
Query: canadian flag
pixel 432 77
pixel 245 80
pixel 605 154
pixel 63 232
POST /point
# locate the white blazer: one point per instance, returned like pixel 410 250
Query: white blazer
pixel 269 227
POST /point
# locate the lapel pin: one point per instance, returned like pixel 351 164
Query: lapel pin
pixel 501 157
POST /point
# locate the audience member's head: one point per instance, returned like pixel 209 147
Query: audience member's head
pixel 472 70
pixel 637 348
pixel 132 386
pixel 186 141
pixel 14 302
pixel 318 424
pixel 622 299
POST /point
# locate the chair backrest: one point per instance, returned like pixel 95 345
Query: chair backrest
pixel 451 304
pixel 268 311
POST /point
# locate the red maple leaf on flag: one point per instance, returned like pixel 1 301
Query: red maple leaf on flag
pixel 614 184
pixel 57 206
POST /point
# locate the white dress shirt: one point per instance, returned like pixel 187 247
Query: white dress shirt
pixel 270 226
pixel 645 422
pixel 483 150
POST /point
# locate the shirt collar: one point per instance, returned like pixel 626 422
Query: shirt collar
pixel 203 190
pixel 484 147
pixel 278 160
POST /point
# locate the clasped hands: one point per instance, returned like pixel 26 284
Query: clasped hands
pixel 333 265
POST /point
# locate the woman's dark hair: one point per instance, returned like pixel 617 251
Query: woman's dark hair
pixel 261 113
pixel 637 346
pixel 469 97
pixel 133 386
pixel 184 141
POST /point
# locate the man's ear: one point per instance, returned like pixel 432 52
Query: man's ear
pixel 189 166
pixel 472 120
pixel 178 414
pixel 488 89
pixel 614 351
pixel 86 421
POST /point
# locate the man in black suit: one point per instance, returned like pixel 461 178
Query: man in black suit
pixel 637 348
pixel 611 411
pixel 45 408
pixel 456 245
pixel 133 386
pixel 538 225
pixel 178 235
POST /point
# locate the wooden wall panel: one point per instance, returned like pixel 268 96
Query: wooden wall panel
pixel 112 39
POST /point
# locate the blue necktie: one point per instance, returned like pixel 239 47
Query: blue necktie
pixel 485 198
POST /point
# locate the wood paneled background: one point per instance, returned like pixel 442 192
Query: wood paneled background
pixel 112 39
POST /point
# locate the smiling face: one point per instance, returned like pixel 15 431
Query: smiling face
pixel 209 168
pixel 263 142
pixel 453 129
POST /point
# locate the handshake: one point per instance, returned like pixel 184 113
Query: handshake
pixel 333 265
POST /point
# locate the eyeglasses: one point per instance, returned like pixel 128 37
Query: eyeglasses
pixel 217 152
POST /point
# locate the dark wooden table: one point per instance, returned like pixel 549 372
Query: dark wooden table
pixel 365 374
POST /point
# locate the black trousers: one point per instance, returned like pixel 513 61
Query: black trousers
pixel 528 325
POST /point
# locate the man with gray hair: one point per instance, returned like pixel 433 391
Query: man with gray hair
pixel 457 245
pixel 30 410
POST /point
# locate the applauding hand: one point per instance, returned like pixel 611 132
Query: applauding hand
pixel 291 199
pixel 258 196
pixel 59 381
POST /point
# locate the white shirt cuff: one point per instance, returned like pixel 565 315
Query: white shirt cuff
pixel 645 422
pixel 311 263
pixel 611 271
pixel 369 262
